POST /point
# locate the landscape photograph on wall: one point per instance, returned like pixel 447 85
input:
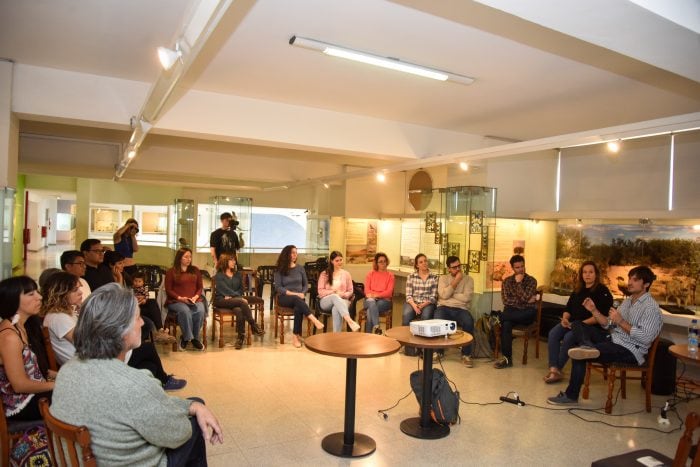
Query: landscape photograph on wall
pixel 672 251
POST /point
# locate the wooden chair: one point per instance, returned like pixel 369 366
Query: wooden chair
pixel 50 355
pixel 220 315
pixel 312 274
pixel 206 289
pixel 281 314
pixel 154 276
pixel 362 316
pixel 250 289
pixel 611 369
pixel 526 331
pixel 10 431
pixel 683 451
pixel 63 438
pixel 266 275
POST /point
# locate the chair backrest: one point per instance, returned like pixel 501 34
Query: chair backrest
pixel 686 442
pixel 651 356
pixel 50 355
pixel 265 275
pixel 58 432
pixel 154 275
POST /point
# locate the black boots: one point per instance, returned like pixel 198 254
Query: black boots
pixel 239 341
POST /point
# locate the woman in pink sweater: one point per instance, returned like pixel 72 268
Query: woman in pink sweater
pixel 379 288
pixel 335 290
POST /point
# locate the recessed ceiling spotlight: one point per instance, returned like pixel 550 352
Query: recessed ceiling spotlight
pixel 381 177
pixel 464 166
pixel 614 146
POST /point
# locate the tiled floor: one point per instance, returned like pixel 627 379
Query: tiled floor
pixel 276 403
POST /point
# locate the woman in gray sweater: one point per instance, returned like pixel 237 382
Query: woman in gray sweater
pixel 132 421
pixel 291 285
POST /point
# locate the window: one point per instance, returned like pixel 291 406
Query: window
pixel 274 228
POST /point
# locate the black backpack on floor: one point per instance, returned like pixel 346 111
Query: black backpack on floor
pixel 444 409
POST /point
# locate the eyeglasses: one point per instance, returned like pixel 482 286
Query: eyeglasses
pixel 456 266
pixel 381 261
pixel 97 251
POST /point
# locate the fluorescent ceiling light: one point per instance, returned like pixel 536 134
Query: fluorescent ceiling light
pixel 376 60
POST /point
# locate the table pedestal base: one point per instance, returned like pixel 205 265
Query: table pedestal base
pixel 335 444
pixel 412 427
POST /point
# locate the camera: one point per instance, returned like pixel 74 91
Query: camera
pixel 234 223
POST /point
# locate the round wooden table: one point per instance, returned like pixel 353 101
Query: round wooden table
pixel 424 427
pixel 681 351
pixel 350 345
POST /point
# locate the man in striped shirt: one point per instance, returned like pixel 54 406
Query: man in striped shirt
pixel 633 328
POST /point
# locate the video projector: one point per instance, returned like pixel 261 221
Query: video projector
pixel 433 327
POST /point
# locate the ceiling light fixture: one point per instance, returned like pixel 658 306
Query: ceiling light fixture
pixel 614 146
pixel 381 177
pixel 376 60
pixel 168 57
pixel 326 185
pixel 464 166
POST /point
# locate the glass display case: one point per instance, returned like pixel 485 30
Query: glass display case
pixel 7 209
pixel 242 209
pixel 184 223
pixel 318 235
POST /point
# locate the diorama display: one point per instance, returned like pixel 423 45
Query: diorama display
pixel 672 251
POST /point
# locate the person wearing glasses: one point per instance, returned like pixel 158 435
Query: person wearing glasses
pixel 379 288
pixel 97 273
pixel 455 291
pixel 73 262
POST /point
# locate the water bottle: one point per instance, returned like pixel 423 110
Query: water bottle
pixel 693 338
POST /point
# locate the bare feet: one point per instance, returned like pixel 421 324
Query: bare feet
pixel 319 325
pixel 296 341
pixel 354 326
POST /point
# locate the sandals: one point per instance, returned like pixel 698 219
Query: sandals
pixel 553 377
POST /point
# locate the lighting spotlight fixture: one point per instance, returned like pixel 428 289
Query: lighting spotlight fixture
pixel 614 146
pixel 131 154
pixel 326 185
pixel 377 60
pixel 381 177
pixel 168 57
pixel 464 166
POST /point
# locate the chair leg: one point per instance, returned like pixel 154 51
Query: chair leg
pixel 623 383
pixel 611 388
pixel 275 317
pixel 586 381
pixel 281 323
pixel 537 347
pixel 221 331
pixel 647 389
pixel 526 341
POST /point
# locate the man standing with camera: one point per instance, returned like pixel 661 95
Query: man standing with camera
pixel 225 239
pixel 126 245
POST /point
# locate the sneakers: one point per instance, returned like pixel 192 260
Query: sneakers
pixel 377 330
pixel 183 344
pixel 354 326
pixel 561 399
pixel 239 342
pixel 584 353
pixel 503 363
pixel 162 337
pixel 197 345
pixel 258 331
pixel 174 384
pixel 467 361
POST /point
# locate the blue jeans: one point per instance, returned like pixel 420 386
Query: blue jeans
pixel 510 317
pixel 194 451
pixel 375 307
pixel 609 353
pixel 338 307
pixel 189 317
pixel 559 341
pixel 300 307
pixel 409 314
pixel 463 318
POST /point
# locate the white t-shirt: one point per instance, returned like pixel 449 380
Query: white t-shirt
pixel 59 325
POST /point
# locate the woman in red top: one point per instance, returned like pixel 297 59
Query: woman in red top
pixel 183 285
pixel 379 288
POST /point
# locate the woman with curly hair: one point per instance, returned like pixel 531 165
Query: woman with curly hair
pixel 60 306
pixel 291 284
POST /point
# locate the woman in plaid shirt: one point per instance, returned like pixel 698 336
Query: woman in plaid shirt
pixel 421 291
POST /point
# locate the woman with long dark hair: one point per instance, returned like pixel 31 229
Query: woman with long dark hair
pixel 24 374
pixel 561 338
pixel 335 290
pixel 291 284
pixel 229 294
pixel 183 285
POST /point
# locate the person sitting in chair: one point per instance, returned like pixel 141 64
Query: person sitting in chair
pixel 519 293
pixel 633 328
pixel 132 421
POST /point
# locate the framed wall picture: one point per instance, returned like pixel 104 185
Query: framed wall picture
pixel 476 221
pixel 430 224
pixel 474 260
pixel 485 244
pixel 453 249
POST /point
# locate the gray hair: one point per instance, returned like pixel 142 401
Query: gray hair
pixel 105 317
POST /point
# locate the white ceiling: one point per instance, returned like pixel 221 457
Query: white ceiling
pixel 542 68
